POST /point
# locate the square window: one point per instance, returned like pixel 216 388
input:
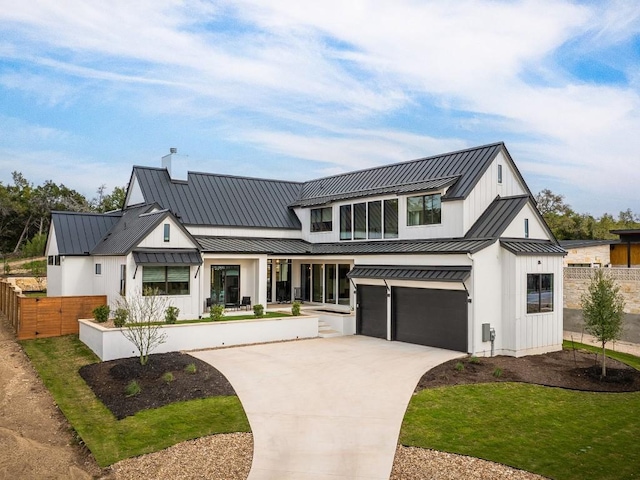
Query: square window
pixel 321 219
pixel 424 210
pixel 50 260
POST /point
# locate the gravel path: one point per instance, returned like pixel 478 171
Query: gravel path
pixel 229 457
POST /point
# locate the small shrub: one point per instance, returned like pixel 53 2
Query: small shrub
pixel 171 314
pixel 7 268
pixel 191 368
pixel 459 367
pixel 474 360
pixel 497 372
pixel 216 313
pixel 258 310
pixel 295 308
pixel 132 388
pixel 168 377
pixel 101 313
pixel 120 317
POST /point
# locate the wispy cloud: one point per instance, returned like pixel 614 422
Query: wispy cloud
pixel 349 84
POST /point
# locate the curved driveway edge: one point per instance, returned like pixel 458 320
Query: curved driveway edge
pixel 327 408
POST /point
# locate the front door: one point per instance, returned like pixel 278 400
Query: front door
pixel 225 285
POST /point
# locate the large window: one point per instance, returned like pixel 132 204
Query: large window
pixel 360 221
pixel 167 280
pixel 345 222
pixel 225 285
pixel 391 218
pixel 344 298
pixel 375 219
pixel 329 283
pixel 318 286
pixel 321 219
pixel 539 292
pixel 424 210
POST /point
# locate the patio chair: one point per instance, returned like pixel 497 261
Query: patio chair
pixel 245 303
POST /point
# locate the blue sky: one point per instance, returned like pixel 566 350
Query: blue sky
pixel 298 90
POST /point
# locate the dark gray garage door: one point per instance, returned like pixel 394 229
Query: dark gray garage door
pixel 436 318
pixel 371 313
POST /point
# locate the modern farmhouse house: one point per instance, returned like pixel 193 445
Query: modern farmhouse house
pixel 447 251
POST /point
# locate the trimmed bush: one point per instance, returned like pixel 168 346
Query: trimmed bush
pixel 216 313
pixel 168 377
pixel 171 314
pixel 191 368
pixel 120 317
pixel 101 313
pixel 295 308
pixel 258 310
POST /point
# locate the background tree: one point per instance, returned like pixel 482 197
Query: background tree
pixel 142 312
pixel 109 202
pixel 603 311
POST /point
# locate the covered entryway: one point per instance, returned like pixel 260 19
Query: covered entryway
pixel 431 317
pixel 435 317
pixel 371 312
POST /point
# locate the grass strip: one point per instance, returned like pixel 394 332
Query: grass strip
pixel 558 433
pixel 626 358
pixel 226 318
pixel 57 361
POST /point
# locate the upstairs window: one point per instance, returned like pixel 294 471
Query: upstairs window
pixel 167 232
pixel 360 221
pixel 98 269
pixel 424 210
pixel 391 218
pixel 321 219
pixel 499 173
pixel 539 292
pixel 526 228
pixel 375 219
pixel 345 222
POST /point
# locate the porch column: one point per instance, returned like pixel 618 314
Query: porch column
pixel 261 281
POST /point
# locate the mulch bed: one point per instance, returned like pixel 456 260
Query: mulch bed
pixel 572 369
pixel 108 381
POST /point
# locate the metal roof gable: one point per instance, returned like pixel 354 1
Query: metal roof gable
pixel 497 217
pixel 79 233
pixel 467 165
pixel 222 200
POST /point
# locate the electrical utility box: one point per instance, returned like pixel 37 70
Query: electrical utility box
pixel 486 332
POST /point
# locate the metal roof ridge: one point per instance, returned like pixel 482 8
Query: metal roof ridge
pixel 405 162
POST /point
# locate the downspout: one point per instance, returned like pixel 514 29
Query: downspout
pixel 473 316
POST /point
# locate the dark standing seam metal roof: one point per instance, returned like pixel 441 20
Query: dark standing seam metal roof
pixel 424 186
pixel 79 233
pixel 468 165
pixel 134 224
pixel 519 246
pixel 301 247
pixel 497 217
pixel 403 272
pixel 222 200
pixel 586 243
pixel 168 257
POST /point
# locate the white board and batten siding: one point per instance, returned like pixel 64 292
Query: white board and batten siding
pixel 108 281
pixel 488 188
pixel 177 237
pixel 529 334
pixel 536 229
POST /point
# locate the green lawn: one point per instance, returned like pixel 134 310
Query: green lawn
pixel 558 433
pixel 57 360
pixel 627 358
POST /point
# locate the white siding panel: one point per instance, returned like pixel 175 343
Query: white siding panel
pixel 135 193
pixel 536 228
pixel 77 275
pixel 242 232
pixel 109 282
pixel 177 238
pixel 487 189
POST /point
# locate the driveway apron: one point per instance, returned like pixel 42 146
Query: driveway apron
pixel 327 408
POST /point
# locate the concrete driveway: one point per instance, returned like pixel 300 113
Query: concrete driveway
pixel 328 408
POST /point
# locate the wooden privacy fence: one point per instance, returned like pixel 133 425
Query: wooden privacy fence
pixel 40 317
